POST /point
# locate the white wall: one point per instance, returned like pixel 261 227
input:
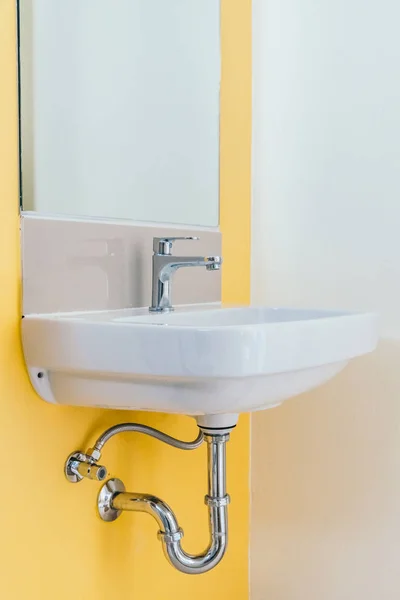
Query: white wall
pixel 120 108
pixel 326 233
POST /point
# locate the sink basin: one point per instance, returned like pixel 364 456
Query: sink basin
pixel 207 361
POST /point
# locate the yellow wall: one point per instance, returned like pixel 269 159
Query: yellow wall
pixel 53 545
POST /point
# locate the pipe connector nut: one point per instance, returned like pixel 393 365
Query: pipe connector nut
pixel 94 454
pixel 217 502
pixel 170 537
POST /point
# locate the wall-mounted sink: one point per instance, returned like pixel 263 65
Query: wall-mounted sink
pixel 207 361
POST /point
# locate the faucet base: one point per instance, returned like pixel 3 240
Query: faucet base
pixel 104 500
pixel 161 309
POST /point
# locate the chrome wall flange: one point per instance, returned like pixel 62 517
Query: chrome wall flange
pixel 104 500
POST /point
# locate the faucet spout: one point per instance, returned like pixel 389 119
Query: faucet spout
pixel 173 263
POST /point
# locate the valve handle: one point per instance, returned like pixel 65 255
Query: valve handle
pixel 163 245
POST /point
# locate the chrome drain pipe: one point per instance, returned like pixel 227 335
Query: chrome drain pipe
pixel 113 499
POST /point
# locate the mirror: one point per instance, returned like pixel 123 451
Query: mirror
pixel 120 109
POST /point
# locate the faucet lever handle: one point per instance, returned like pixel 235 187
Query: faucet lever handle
pixel 163 245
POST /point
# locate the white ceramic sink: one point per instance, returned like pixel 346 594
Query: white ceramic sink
pixel 203 360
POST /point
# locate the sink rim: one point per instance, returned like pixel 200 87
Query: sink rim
pixel 133 317
pixel 87 343
pixel 90 359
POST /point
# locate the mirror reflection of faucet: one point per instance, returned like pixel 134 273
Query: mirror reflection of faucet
pixel 106 257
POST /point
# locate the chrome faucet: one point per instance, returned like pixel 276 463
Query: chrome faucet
pixel 165 265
